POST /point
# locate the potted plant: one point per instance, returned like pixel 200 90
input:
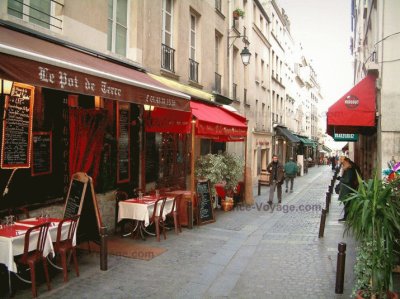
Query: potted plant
pixel 226 169
pixel 373 219
pixel 238 13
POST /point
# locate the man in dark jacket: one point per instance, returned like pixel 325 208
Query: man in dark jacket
pixel 348 179
pixel 275 169
pixel 290 173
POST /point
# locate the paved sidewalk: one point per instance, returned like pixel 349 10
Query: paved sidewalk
pixel 258 252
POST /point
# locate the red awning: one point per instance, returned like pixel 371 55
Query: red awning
pixel 217 123
pixel 355 110
pixel 28 59
pixel 167 121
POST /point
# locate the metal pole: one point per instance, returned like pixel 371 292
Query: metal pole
pixel 327 202
pixel 322 224
pixel 192 182
pixel 340 267
pixel 103 248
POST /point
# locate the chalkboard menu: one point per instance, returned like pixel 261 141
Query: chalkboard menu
pixel 81 201
pixel 123 133
pixel 41 153
pixel 75 197
pixel 205 208
pixel 17 127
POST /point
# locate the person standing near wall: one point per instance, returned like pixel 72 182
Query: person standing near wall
pixel 290 173
pixel 276 171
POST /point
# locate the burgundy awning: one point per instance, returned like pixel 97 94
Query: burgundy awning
pixel 217 123
pixel 354 111
pixel 27 59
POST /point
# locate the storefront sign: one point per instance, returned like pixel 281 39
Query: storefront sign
pixel 17 127
pixel 118 88
pixel 345 137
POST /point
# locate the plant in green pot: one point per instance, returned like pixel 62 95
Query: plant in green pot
pixel 373 219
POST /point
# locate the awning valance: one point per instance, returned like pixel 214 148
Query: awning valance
pixel 306 141
pixel 287 134
pixel 167 121
pixel 355 110
pixel 28 59
pixel 215 122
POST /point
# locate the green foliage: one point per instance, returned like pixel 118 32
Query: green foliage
pixel 226 168
pixel 373 219
pixel 240 12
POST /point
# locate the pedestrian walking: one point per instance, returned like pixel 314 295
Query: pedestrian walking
pixel 347 181
pixel 290 173
pixel 276 171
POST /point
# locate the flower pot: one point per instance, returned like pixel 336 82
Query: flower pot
pixel 390 295
pixel 236 15
pixel 227 204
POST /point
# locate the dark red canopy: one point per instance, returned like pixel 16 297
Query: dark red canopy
pixel 355 109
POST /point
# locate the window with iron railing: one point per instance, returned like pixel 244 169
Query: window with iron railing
pixel 193 70
pixel 167 58
pixel 234 90
pixel 218 5
pixel 217 83
pixel 39 12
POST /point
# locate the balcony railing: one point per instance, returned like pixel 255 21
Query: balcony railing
pixel 167 58
pixel 234 91
pixel 39 15
pixel 193 70
pixel 217 83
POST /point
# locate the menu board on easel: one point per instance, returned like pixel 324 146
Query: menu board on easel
pixel 42 153
pixel 123 135
pixel 81 201
pixel 204 202
pixel 17 127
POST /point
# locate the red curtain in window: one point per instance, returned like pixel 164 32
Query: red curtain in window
pixel 86 129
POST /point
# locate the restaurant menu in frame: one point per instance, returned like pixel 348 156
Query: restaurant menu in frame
pixel 123 135
pixel 42 155
pixel 17 127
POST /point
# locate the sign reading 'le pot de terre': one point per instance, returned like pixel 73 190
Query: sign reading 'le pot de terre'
pixel 345 137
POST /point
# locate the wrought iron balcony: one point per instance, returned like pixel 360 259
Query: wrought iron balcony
pixel 167 58
pixel 193 70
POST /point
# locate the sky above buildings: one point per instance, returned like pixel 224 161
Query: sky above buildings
pixel 323 27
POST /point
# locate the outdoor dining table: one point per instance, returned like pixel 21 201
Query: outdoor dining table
pixel 140 210
pixel 12 240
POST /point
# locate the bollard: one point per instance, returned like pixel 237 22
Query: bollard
pixel 103 248
pixel 189 208
pixel 327 202
pixel 322 224
pixel 340 267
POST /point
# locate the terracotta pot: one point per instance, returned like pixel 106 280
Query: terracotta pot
pixel 236 15
pixel 390 295
pixel 227 205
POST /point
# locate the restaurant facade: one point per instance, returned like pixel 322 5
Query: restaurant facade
pixel 92 113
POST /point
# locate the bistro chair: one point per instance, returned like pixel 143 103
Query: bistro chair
pixel 66 246
pixel 174 214
pixel 31 258
pixel 157 217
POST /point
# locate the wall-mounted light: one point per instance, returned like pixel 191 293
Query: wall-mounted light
pixel 148 107
pixel 245 53
pixel 5 87
pixel 98 102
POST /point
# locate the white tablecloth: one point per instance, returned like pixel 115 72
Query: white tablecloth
pixel 10 247
pixel 141 211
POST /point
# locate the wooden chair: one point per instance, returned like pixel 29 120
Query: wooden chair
pixel 157 218
pixel 66 246
pixel 174 214
pixel 31 258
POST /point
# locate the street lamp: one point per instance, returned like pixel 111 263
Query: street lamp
pixel 245 53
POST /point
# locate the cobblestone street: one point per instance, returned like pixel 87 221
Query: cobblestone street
pixel 259 252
